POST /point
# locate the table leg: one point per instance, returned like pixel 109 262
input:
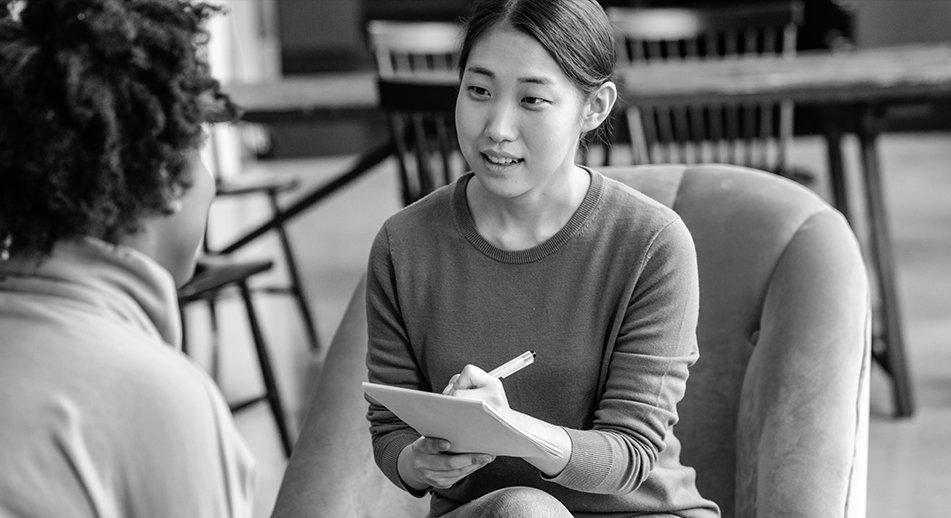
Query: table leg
pixel 838 181
pixel 892 357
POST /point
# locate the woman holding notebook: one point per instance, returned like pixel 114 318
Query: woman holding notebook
pixel 532 252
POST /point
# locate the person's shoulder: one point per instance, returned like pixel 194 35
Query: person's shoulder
pixel 172 385
pixel 134 405
pixel 434 204
pixel 99 357
pixel 647 228
pixel 129 370
pixel 421 220
pixel 166 409
pixel 627 204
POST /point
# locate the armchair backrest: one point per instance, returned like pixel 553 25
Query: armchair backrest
pixel 775 418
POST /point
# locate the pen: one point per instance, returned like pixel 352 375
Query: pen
pixel 514 365
pixel 506 369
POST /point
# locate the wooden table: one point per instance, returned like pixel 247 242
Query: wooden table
pixel 310 97
pixel 852 90
pixel 906 73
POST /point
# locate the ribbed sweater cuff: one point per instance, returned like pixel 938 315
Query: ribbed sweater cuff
pixel 590 464
pixel 391 460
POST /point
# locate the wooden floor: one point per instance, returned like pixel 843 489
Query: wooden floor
pixel 909 459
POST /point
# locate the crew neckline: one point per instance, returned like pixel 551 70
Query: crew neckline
pixel 578 221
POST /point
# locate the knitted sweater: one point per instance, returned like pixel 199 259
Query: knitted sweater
pixel 609 304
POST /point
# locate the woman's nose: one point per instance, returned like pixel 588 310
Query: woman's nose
pixel 501 125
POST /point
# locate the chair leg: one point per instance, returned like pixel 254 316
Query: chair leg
pixel 182 319
pixel 215 368
pixel 295 279
pixel 838 180
pixel 893 359
pixel 267 374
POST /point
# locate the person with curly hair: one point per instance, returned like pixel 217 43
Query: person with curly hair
pixel 103 206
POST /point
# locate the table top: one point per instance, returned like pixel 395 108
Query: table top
pixel 911 73
pixel 344 94
pixel 865 75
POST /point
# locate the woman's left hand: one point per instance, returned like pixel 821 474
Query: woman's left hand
pixel 474 383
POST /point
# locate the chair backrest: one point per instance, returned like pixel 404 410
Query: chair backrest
pixel 406 47
pixel 755 135
pixel 775 417
pixel 419 113
pixel 420 110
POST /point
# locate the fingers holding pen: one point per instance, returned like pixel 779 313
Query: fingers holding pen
pixel 474 383
pixel 451 386
pixel 471 377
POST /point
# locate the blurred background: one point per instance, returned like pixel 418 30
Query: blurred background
pixel 272 38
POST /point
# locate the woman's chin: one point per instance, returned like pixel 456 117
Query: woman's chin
pixel 500 186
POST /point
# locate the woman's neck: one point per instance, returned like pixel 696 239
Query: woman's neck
pixel 530 219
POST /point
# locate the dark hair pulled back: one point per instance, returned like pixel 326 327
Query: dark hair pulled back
pixel 103 103
pixel 576 33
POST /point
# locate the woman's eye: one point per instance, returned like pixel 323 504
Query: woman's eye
pixel 478 91
pixel 533 101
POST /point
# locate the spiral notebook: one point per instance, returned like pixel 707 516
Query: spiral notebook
pixel 470 425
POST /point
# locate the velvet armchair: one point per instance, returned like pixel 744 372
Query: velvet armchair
pixel 775 417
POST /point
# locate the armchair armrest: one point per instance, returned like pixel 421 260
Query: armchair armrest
pixel 803 419
pixel 331 471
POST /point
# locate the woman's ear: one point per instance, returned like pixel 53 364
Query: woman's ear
pixel 599 106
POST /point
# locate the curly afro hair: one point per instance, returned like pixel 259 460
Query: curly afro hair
pixel 103 103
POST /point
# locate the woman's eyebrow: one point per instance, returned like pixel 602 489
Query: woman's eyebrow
pixel 475 69
pixel 539 80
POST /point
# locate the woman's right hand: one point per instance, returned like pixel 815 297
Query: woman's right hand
pixel 428 463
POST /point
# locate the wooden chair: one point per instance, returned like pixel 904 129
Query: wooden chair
pixel 755 135
pixel 419 115
pixel 271 187
pixel 220 275
pixel 420 111
pixel 214 276
pixel 401 47
pixel 775 417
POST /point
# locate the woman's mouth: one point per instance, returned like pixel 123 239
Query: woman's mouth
pixel 500 164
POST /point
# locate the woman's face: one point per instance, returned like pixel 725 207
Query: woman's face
pixel 174 240
pixel 187 226
pixel 518 116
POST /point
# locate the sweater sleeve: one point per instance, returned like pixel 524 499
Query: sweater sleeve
pixel 655 346
pixel 389 360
